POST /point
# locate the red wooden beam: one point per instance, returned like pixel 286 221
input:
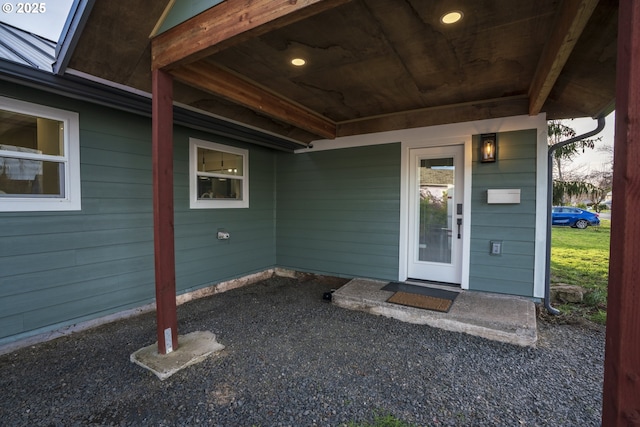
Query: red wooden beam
pixel 162 155
pixel 218 81
pixel 621 393
pixel 227 24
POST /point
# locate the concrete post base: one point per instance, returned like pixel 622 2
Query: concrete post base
pixel 192 348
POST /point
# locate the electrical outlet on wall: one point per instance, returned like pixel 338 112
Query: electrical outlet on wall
pixel 495 247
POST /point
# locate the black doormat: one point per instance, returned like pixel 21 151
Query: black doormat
pixel 421 297
pixel 421 301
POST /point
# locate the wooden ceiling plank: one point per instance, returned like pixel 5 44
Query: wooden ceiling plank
pixel 220 82
pixel 572 19
pixel 229 23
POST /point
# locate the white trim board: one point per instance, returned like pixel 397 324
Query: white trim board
pixel 415 136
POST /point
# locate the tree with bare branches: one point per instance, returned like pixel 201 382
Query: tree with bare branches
pixel 569 186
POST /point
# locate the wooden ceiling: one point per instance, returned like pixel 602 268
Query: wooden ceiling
pixel 372 65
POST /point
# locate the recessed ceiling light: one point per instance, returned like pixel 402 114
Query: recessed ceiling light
pixel 451 17
pixel 298 62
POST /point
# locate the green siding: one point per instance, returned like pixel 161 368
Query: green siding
pixel 514 224
pixel 339 211
pixel 202 259
pixel 183 10
pixel 61 268
pixel 329 212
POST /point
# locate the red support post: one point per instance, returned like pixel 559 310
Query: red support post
pixel 162 155
pixel 621 392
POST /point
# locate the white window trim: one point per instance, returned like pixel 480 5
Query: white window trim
pixel 71 160
pixel 194 202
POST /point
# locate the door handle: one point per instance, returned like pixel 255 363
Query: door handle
pixel 459 221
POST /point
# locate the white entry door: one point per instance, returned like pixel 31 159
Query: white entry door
pixel 435 214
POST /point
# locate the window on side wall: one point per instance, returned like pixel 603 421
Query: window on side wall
pixel 39 158
pixel 218 176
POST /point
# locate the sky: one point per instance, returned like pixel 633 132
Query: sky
pixel 594 159
pixel 47 24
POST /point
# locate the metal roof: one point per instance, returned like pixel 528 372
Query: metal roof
pixel 25 48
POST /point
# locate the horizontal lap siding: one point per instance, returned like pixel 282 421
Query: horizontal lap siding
pixel 514 224
pixel 202 259
pixel 339 211
pixel 61 268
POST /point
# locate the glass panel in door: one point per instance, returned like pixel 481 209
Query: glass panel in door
pixel 436 203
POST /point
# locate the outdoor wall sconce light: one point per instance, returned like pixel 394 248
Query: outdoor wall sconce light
pixel 488 147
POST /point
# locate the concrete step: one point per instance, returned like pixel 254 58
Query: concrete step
pixel 497 317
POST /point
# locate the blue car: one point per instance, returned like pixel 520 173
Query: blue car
pixel 573 217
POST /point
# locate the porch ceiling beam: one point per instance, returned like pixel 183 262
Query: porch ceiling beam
pixel 228 85
pixel 229 23
pixel 453 113
pixel 570 22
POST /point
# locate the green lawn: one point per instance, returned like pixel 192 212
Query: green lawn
pixel 581 257
pixel 382 421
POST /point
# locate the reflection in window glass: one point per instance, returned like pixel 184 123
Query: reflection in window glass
pixel 219 162
pixel 219 188
pixel 218 176
pixel 436 198
pixel 29 146
pixel 21 132
pixel 35 178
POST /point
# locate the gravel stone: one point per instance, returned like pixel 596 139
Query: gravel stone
pixel 292 359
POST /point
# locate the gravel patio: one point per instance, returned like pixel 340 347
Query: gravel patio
pixel 292 359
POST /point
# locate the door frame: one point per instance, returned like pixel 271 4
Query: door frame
pixel 427 142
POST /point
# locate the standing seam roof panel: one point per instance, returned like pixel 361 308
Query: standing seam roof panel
pixel 26 49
